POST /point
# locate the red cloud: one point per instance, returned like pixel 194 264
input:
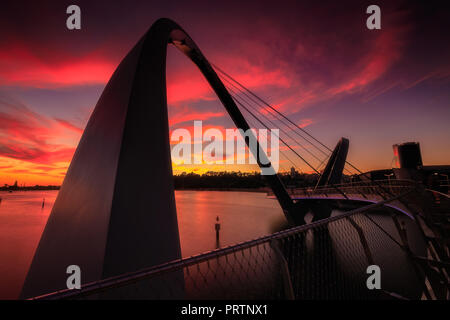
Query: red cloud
pixel 20 67
pixel 37 155
pixel 385 51
pixel 187 115
pixel 185 84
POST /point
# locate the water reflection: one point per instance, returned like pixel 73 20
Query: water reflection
pixel 243 216
pixel 331 255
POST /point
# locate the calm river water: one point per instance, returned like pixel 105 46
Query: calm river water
pixel 243 216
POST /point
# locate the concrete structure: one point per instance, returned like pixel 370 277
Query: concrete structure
pixel 115 212
pixel 332 174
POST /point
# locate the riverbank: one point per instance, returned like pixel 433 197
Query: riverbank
pixel 30 188
pixel 42 188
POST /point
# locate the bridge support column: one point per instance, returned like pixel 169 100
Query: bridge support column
pixel 115 212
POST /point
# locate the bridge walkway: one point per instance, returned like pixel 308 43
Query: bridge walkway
pixel 326 259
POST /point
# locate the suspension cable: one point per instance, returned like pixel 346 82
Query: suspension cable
pixel 271 122
pixel 282 115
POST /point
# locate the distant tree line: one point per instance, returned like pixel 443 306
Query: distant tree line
pixel 212 180
pixel 239 180
pixel 27 188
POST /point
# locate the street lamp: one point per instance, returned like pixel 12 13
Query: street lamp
pixel 389 180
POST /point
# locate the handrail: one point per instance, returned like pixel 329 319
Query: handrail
pixel 124 279
pixel 357 186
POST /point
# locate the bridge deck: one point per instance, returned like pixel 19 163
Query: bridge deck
pixel 372 198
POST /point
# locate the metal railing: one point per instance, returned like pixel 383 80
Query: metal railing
pixel 383 188
pixel 322 260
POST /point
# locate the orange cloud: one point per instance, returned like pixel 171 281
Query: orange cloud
pixel 34 144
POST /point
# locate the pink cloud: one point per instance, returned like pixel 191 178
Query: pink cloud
pixel 29 136
pixel 69 125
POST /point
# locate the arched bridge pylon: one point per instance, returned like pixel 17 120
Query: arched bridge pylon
pixel 115 211
pixel 332 174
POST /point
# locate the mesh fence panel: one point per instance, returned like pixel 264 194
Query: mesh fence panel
pixel 327 261
pixel 324 260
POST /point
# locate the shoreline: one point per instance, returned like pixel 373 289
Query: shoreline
pixel 259 190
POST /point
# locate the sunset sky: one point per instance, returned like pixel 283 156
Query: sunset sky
pixel 313 60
